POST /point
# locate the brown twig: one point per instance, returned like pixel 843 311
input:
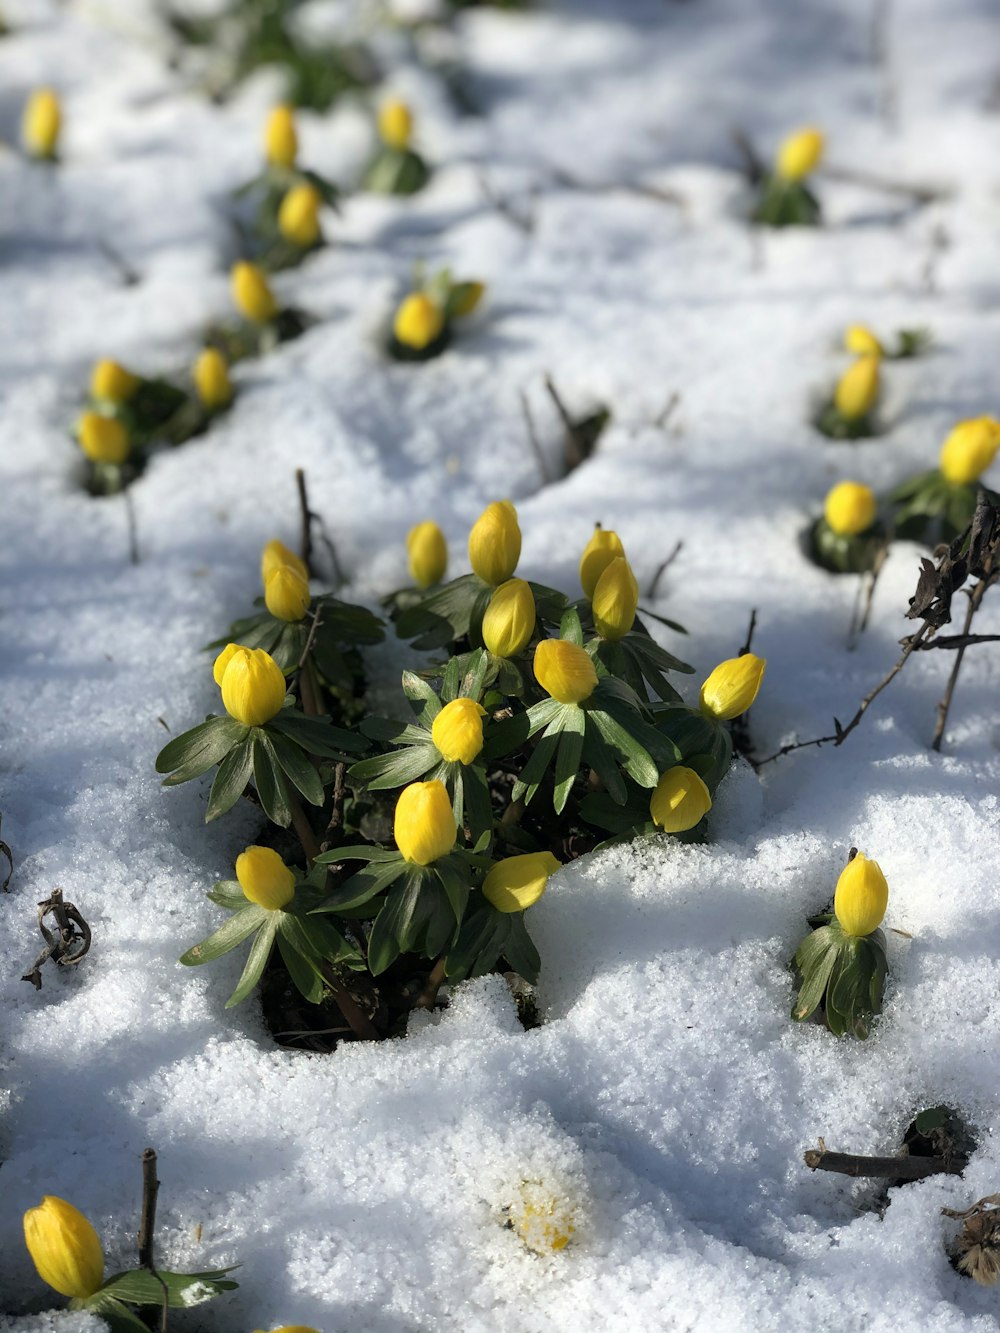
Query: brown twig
pixel 303 829
pixel 884 1168
pixel 435 980
pixel 335 823
pixel 574 454
pixel 305 518
pixel 753 164
pixel 655 581
pixel 67 947
pixel 866 595
pixel 945 704
pixel 667 411
pixel 5 851
pixel 147 1229
pixel 750 632
pixel 533 438
pixel 361 1025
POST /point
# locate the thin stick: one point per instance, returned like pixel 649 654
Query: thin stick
pixel 655 581
pixel 305 516
pixel 667 411
pixel 750 630
pixel 884 1168
pixel 5 851
pixel 427 997
pixel 147 1219
pixel 533 438
pixel 945 704
pixel 361 1025
pixel 303 829
pixel 574 455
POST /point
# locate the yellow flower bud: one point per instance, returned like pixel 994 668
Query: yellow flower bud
pixel 395 125
pixel 862 896
pixel 252 293
pixel 599 552
pixel 103 439
pixel 281 143
pixel 857 388
pixel 264 878
pixel 65 1248
pixel 517 882
pixel 862 342
pixel 969 450
pixel 850 508
pixel 799 154
pixel 495 543
pixel 41 123
pixel 112 382
pixel 276 555
pixel 291 1328
pixel 286 594
pixel 542 1219
pixel 680 800
pixel 472 294
pixel 424 825
pixel 252 684
pixel 732 686
pixel 565 671
pixel 211 380
pixel 298 216
pixel 457 731
pixel 428 553
pixel 509 621
pixel 616 599
pixel 419 320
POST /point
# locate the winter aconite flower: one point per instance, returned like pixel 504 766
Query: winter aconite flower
pixel 298 216
pixel 286 593
pixel 252 293
pixel 861 897
pixel 799 154
pixel 41 123
pixel 860 341
pixel 732 686
pixel 602 548
pixel 457 731
pixel 850 508
pixel 395 124
pixel 857 388
pixel 112 383
pixel 265 879
pixel 424 825
pixel 509 621
pixel 428 553
pixel 495 543
pixel 281 142
pixel 252 684
pixel 969 450
pixel 615 600
pixel 275 555
pixel 680 800
pixel 544 1220
pixel 103 439
pixel 211 380
pixel 517 882
pixel 565 671
pixel 65 1248
pixel 418 322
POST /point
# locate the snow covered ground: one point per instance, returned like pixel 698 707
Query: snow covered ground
pixel 667 1093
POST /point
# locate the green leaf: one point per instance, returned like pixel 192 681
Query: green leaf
pixel 568 756
pixel 119 1318
pixel 480 943
pixel 570 628
pixel 317 735
pixel 503 738
pixel 543 713
pixel 360 888
pixel 231 933
pixel 814 982
pixel 474 676
pixel 359 852
pixel 228 893
pixel 231 780
pixel 260 951
pixel 519 950
pixel 391 730
pixel 602 760
pixel 420 692
pixel 301 969
pixel 270 784
pixel 140 1286
pixel 397 769
pixel 393 921
pixel 633 758
pixel 297 768
pixel 534 770
pixel 478 805
pixel 454 876
pixel 198 750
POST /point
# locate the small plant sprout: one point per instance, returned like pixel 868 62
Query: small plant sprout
pixel 937 506
pixel 859 340
pixel 396 168
pixel 848 537
pixel 422 324
pixel 151 408
pixel 785 199
pixel 850 413
pixel 264 323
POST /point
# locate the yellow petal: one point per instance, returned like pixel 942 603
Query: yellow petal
pixel 211 380
pixel 276 555
pixel 428 554
pixel 395 124
pixel 680 800
pixel 969 450
pixel 103 439
pixel 252 294
pixel 602 548
pixel 41 123
pixel 857 389
pixel 264 878
pixel 800 153
pixel 565 671
pixel 732 686
pixel 424 825
pixel 298 216
pixel 509 621
pixel 457 731
pixel 850 508
pixel 517 882
pixel 616 599
pixel 495 543
pixel 419 321
pixel 253 685
pixel 286 594
pixel 862 896
pixel 64 1247
pixel 281 142
pixel 112 383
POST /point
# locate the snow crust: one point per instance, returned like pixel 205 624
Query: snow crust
pixel 667 1096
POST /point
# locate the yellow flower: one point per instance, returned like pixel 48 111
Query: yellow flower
pixel 857 388
pixel 457 731
pixel 471 295
pixel 543 1220
pixel 395 125
pixel 680 800
pixel 291 1328
pixel 252 294
pixel 862 896
pixel 103 439
pixel 850 508
pixel 860 340
pixel 969 450
pixel 252 684
pixel 276 555
pixel 264 878
pixel 424 825
pixel 41 123
pixel 599 552
pixel 112 382
pixel 428 553
pixel 517 882
pixel 419 320
pixel 509 621
pixel 65 1248
pixel 298 216
pixel 799 154
pixel 615 600
pixel 732 686
pixel 495 543
pixel 211 380
pixel 281 143
pixel 565 671
pixel 286 593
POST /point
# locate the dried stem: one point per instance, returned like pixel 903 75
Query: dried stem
pixel 885 1168
pixel 574 454
pixel 945 704
pixel 133 531
pixel 427 997
pixel 147 1231
pixel 533 438
pixel 303 829
pixel 361 1025
pixel 305 517
pixel 655 581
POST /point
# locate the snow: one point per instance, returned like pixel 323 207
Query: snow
pixel 667 1098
